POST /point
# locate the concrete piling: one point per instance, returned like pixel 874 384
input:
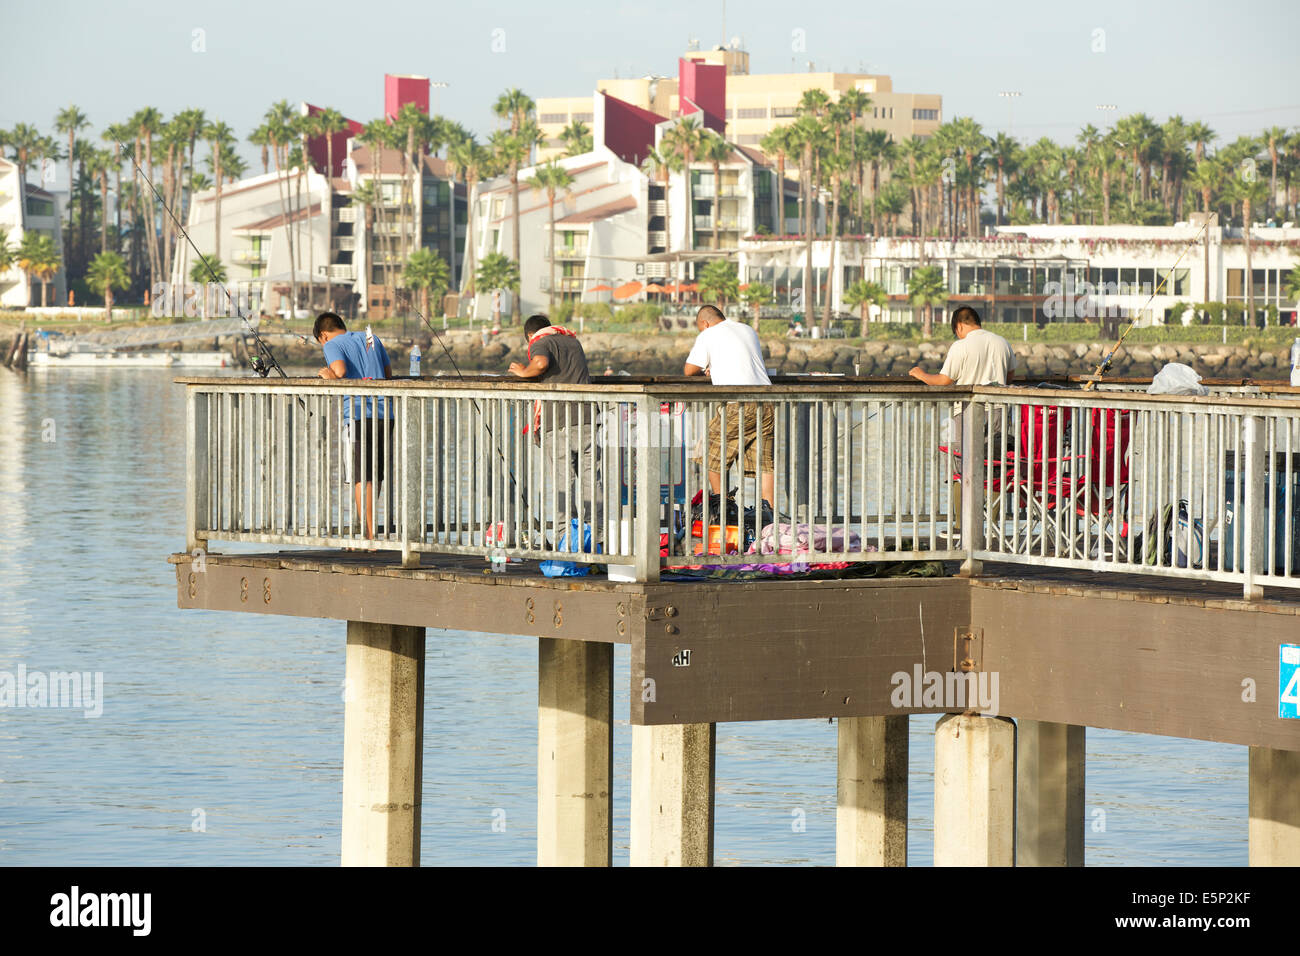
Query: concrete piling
pixel 871 800
pixel 1050 769
pixel 383 744
pixel 974 791
pixel 1274 807
pixel 575 752
pixel 672 795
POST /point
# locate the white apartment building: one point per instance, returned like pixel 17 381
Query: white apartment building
pixel 1042 273
pixel 37 211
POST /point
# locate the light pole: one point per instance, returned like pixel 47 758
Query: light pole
pixel 437 85
pixel 1010 96
pixel 1107 108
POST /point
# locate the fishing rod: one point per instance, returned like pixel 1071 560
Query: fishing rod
pixel 1105 364
pixel 262 363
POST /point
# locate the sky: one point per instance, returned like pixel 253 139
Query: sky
pixel 1234 66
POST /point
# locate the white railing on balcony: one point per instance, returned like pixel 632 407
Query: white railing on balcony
pixel 344 271
pixel 249 255
pixel 656 207
pixel 345 214
pixel 344 243
pixel 1191 488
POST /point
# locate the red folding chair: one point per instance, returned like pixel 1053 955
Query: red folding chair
pixel 1048 480
pixel 1103 508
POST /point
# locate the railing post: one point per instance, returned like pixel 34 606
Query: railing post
pixel 196 470
pixel 410 477
pixel 646 481
pixel 973 454
pixel 1255 506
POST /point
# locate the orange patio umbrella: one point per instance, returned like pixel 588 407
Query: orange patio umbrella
pixel 627 290
pixel 601 288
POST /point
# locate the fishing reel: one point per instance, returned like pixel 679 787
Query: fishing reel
pixel 258 365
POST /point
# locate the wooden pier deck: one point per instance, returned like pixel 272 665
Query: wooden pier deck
pixel 1064 638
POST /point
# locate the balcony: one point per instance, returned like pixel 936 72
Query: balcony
pixel 249 256
pixel 348 272
pixel 657 237
pixel 571 254
pixel 657 207
pixel 344 243
pixel 345 214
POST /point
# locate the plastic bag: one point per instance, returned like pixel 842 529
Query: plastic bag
pixel 1177 379
pixel 568 542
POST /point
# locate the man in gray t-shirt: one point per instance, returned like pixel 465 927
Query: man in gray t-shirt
pixel 569 437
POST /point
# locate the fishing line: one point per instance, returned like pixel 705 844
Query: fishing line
pixel 1104 367
pixel 265 361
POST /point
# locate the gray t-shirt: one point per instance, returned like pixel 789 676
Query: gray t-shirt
pixel 568 366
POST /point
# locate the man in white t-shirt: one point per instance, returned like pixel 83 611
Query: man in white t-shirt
pixel 730 353
pixel 976 358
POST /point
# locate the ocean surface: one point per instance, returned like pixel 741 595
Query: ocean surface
pixel 220 740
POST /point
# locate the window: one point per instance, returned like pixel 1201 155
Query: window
pixel 581 117
pixel 1236 284
pixel 752 113
pixel 40 207
pixel 921 114
pixel 781 112
pixel 553 118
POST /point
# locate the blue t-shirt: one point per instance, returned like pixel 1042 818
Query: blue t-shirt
pixel 359 362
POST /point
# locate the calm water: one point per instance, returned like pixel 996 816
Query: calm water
pixel 221 738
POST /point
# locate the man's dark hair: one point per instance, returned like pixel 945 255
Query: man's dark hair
pixel 965 314
pixel 535 323
pixel 710 312
pixel 327 322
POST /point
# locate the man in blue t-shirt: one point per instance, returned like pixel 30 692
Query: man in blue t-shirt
pixel 360 355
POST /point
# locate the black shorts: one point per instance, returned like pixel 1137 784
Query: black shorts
pixel 375 443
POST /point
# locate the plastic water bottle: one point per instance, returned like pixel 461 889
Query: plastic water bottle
pixel 1295 361
pixel 415 361
pixel 498 560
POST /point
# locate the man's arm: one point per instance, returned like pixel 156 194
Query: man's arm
pixel 538 366
pixel 936 378
pixel 693 370
pixel 335 369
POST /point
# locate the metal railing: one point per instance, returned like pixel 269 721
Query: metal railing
pixel 811 475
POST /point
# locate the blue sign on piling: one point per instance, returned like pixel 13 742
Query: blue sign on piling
pixel 1288 681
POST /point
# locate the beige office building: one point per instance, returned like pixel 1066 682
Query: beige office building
pixel 756 102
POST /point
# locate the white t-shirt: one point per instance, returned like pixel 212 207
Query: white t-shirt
pixel 981 358
pixel 732 354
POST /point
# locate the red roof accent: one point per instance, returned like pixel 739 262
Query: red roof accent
pixel 596 213
pixel 275 222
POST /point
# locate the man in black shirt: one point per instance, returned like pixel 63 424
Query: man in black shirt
pixel 568 432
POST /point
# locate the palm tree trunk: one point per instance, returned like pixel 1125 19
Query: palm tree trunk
pixel 1250 286
pixel 717 203
pixel 550 198
pixel 103 210
pixel 216 243
pixel 516 313
pixel 108 302
pixel 808 234
pixel 830 269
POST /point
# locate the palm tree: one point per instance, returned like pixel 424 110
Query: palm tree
pixel 377 135
pixel 1207 179
pixel 518 108
pixel 927 290
pixel 1006 153
pixel 863 295
pixel 25 141
pixel 777 143
pixel 69 121
pixel 715 150
pixel 683 140
pixel 279 122
pixel 428 272
pixel 808 133
pixel 470 160
pixel 497 272
pixel 756 295
pixel 8 254
pixel 329 123
pixel 1272 136
pixel 718 282
pixel 220 137
pixel 98 165
pixel 38 258
pixel 261 137
pixel 1291 284
pixel 1249 192
pixel 577 138
pixel 890 202
pixel 880 151
pixel 836 164
pixel 117 134
pixel 551 179
pixel 107 272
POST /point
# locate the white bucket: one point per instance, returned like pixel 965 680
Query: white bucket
pixel 620 533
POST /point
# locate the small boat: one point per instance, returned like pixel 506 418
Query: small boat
pixel 58 351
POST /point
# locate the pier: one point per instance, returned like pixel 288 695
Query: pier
pixel 1027 562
